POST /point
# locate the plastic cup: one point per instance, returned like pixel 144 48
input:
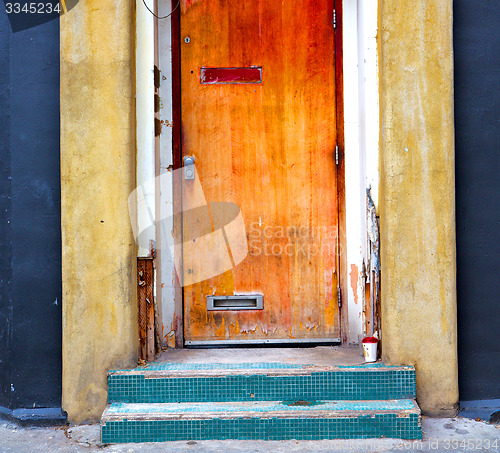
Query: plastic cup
pixel 370 349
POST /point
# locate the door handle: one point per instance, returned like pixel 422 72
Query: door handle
pixel 188 167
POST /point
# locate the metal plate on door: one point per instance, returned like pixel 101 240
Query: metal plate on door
pixel 240 302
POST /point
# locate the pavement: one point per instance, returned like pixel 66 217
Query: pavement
pixel 440 435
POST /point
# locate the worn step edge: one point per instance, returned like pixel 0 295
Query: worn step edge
pixel 379 384
pixel 264 409
pixel 154 370
pixel 276 425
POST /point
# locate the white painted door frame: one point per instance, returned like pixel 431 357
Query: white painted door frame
pixel 361 132
pixel 361 128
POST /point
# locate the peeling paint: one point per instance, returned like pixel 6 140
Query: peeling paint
pixel 170 339
pixel 354 274
pixel 220 331
pixel 186 4
pixel 248 330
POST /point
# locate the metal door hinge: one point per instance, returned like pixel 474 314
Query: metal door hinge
pixel 157 127
pixel 156 77
pixel 339 297
pixel 334 19
pixel 336 154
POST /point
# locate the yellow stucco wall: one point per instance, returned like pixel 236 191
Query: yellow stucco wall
pixel 417 196
pixel 97 175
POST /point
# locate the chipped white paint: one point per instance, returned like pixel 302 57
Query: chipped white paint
pixel 361 126
pixel 166 291
pixel 160 199
pixel 370 89
pixel 145 113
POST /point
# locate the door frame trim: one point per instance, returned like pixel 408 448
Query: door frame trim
pixel 177 158
pixel 341 217
pixel 265 341
pixel 358 26
pixel 177 163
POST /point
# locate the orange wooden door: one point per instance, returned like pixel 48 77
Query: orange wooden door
pixel 267 146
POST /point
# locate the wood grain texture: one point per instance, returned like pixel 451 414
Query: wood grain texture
pixel 270 149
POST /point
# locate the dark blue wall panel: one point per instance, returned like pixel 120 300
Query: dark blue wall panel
pixel 30 230
pixel 5 215
pixel 477 120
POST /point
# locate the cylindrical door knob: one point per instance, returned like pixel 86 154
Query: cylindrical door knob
pixel 188 167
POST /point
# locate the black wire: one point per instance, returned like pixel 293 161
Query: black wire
pixel 164 17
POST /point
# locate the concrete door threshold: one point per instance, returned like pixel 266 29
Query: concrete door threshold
pixel 320 355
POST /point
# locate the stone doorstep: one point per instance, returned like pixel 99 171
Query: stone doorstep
pixel 402 408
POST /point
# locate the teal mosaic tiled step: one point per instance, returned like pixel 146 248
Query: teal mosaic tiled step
pixel 269 420
pixel 164 382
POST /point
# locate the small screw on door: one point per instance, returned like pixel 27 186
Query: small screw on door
pixel 187 39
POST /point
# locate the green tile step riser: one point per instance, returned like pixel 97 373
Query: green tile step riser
pixel 362 427
pixel 335 385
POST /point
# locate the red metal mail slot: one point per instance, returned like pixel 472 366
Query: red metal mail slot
pixel 213 76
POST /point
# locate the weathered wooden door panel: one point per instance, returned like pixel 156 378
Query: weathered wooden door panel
pixel 268 147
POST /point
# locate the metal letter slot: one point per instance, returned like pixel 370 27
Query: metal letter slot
pixel 188 167
pixel 244 302
pixel 217 76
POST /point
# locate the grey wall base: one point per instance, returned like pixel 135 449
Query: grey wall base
pixel 487 410
pixel 49 416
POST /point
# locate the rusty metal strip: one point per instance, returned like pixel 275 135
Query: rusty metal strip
pixel 146 312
